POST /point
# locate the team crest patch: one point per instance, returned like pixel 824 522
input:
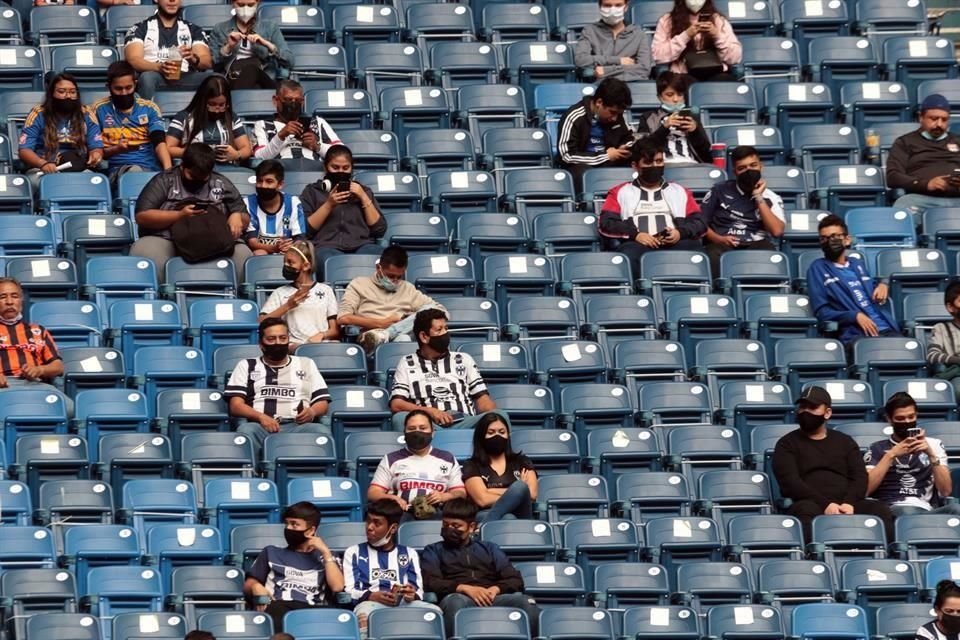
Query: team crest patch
pixel 144 119
pixel 301 374
pixel 443 468
pixel 953 148
pixel 403 560
pixel 256 375
pixel 461 370
pixel 36 331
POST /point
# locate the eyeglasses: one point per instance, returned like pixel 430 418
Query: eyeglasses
pixel 833 236
pixel 66 93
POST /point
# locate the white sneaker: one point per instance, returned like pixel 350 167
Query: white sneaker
pixel 372 339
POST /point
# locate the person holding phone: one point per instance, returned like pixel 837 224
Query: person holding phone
pixel 209 119
pixel 299 140
pixel 908 471
pixel 696 39
pixel 675 126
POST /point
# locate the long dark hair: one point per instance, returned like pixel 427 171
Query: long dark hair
pixel 78 125
pixel 480 434
pixel 680 20
pixel 196 121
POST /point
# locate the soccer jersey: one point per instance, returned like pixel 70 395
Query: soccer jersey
pixel 367 569
pixel 215 133
pixel 311 316
pixel 450 383
pixel 909 481
pixel 281 392
pixel 158 40
pixel 134 127
pixel 32 135
pixel 291 575
pixel 408 475
pixel 930 631
pixel 25 345
pixel 730 212
pixel 631 208
pixel 268 145
pixel 269 228
pixel 493 480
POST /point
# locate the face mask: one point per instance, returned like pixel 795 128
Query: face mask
pixel 495 445
pixel 695 5
pixel 929 136
pixel 809 422
pixel 123 102
pixel 289 273
pixel 901 429
pixel 245 14
pixel 193 186
pixel 65 106
pixel 265 194
pixel 651 175
pixel 747 181
pixel 294 538
pixel 451 537
pixel 672 108
pixel 275 352
pixel 612 15
pixel 214 116
pixel 950 623
pixel 417 440
pixel 440 344
pixel 12 321
pixel 833 249
pixel 385 283
pixel 290 111
pixel 384 541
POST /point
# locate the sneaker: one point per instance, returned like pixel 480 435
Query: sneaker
pixel 372 339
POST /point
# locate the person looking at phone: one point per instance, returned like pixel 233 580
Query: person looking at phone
pixel 674 126
pixel 209 119
pixel 741 213
pixel 696 39
pixel 249 50
pixel 611 48
pixel 303 575
pixel 926 163
pixel 300 140
pixel 276 218
pixel 649 213
pixel 308 307
pixel 380 573
pixel 167 51
pixel 342 214
pixel 908 471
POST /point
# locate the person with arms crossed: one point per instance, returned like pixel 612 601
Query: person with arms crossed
pixel 611 48
pixel 498 479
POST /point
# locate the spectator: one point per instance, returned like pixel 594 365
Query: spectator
pixel 28 354
pixel 650 213
pixel 249 50
pixel 926 163
pixel 821 469
pixel 418 469
pixel 343 215
pixel 303 575
pixel 904 469
pixel 696 39
pixel 593 132
pixel 674 127
pixel 133 131
pixel 612 48
pixel 277 392
pixel 60 133
pixel 496 477
pixel 445 384
pixel 741 213
pixel 384 305
pixel 946 604
pixel 308 307
pixel 300 141
pixel 943 345
pixel 270 206
pixel 209 119
pixel 465 572
pixel 192 189
pixel 167 50
pixel 842 290
pixel 380 573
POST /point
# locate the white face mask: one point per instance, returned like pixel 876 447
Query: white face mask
pixel 12 321
pixel 246 14
pixel 695 5
pixel 612 15
pixel 384 541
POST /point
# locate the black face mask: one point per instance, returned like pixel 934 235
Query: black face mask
pixel 265 194
pixel 417 440
pixel 275 352
pixel 213 116
pixel 294 538
pixel 833 249
pixel 747 181
pixel 440 344
pixel 193 186
pixel 495 445
pixel 451 537
pixel 123 102
pixel 290 111
pixel 651 175
pixel 950 623
pixel 65 106
pixel 901 429
pixel 289 273
pixel 809 422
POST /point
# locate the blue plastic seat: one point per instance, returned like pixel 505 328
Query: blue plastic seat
pixel 532 191
pixel 580 622
pixel 804 22
pixel 215 323
pixel 528 405
pixel 338 498
pixel 665 403
pixel 565 496
pixel 615 319
pixel 724 103
pixel 374 150
pixel 426 25
pixel 443 274
pixel 552 584
pixel 147 626
pixel 321 624
pixel 841 540
pixel 648 622
pixel 614 451
pixel 341 363
pixel 419 534
pixel 24 235
pixel 771 318
pixel 183 410
pixel 523 540
pixel 186 282
pixel 16 506
pixel 901 621
pixel 401 622
pixel 298 24
pixel 673 542
pixel 696 450
pixel 500 362
pixel 454 193
pixel 767 140
pixel 205 456
pixel 596 542
pixel 841 188
pixel 90 235
pixel 178 545
pixel 125 456
pixel 910 271
pixel 147 503
pixel 919 538
pixel 768 59
pixel 354 25
pixel 551 452
pixel 869 103
pixel 24 68
pixel 394 191
pixel 665 273
pixel 31 411
pixel 878 361
pixel 62 626
pixel 598 181
pixel 455 65
pixel 531 65
pixel 481 107
pixel 859 579
pixel 109 279
pixel 758 539
pixel 358 408
pixel 110 410
pixel 472 318
pixel 169 367
pixel 73 502
pixel 706 585
pixel 63 25
pixel 122 589
pixel 721 360
pixel 231 502
pixel 407 109
pixel 26 547
pixel 689 319
pixel 649 494
pixel 817 620
pixel 428 149
pixel 914 59
pixel 747 404
pixel 800 360
pixel 556 234
pixel 890 17
pixel 588 406
pixel 760 622
pixel 44 278
pixel 817 145
pixel 74 323
pixel 728 494
pixel 551 100
pixel 482 234
pixel 239 625
pixel 790 183
pixel 852 400
pixel 538 317
pixel 840 59
pixel 296 455
pixel 342 109
pixel 649 360
pixel 559 363
pixel 197 590
pixel 385 360
pixel 791 103
pixel 248 540
pixel 379 64
pixel 31 593
pixel 506 22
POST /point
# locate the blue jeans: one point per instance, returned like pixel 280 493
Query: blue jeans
pixel 468 422
pixel 400 331
pixel 150 81
pixel 904 510
pixel 917 203
pixel 514 502
pixel 258 434
pixel 456 601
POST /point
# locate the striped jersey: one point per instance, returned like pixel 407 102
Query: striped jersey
pixel 281 392
pixel 367 569
pixel 25 345
pixel 405 474
pixel 930 631
pixel 268 145
pixel 269 228
pixel 450 383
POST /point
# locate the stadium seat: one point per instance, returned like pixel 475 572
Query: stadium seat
pixel 869 103
pixel 28 593
pixel 725 359
pixel 109 279
pixel 587 406
pixel 652 360
pixel 92 235
pixel 232 502
pixel 506 22
pixel 705 585
pixel 910 271
pixel 61 626
pixel 813 620
pixel 215 323
pixel 844 187
pixel 248 540
pixel 44 278
pixel 454 65
pixel 321 624
pixel 122 589
pixel 125 456
pixel 556 234
pixel 818 145
pixel 481 107
pixel 523 540
pixel 429 149
pixel 186 283
pixel 804 22
pixel 801 360
pixel 16 505
pixel 551 100
pixel 531 65
pixel 64 503
pixel 375 150
pixel 767 59
pixel 341 363
pixel 901 621
pixel 935 398
pixel 840 59
pixel 24 235
pixel 581 622
pixel 427 25
pixel 32 411
pixel 343 109
pixel 479 235
pixel 673 542
pixel 338 498
pixel 690 319
pixel 696 450
pixel 75 323
pixel 840 540
pixel 178 545
pixel 417 232
pixel 169 367
pixel 147 626
pixel 869 583
pixel 419 534
pixel 561 363
pixel 878 361
pixel 747 273
pixel 749 404
pixel 358 408
pixel 670 403
pixel 561 497
pixel 665 273
pixel 147 503
pixel 772 318
pixel 788 104
pixel 355 25
pixel 757 539
pixel 500 362
pixel 852 401
pixel 379 64
pixel 922 538
pixel 756 621
pixel 403 622
pixel 23 68
pixel 653 493
pixel 108 410
pixel 27 548
pixel 648 622
pixel 767 140
pixel 238 625
pixel 790 183
pixel 188 410
pixel 298 24
pixel 552 584
pixel 196 590
pixel 407 109
pixel 613 451
pixel 724 103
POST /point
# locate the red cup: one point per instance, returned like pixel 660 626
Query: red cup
pixel 718 151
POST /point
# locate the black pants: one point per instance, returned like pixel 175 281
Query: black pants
pixel 279 608
pixel 715 250
pixel 634 251
pixel 806 510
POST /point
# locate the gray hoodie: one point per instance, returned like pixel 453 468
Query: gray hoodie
pixel 598 47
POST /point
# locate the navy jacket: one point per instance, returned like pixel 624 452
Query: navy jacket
pixel 833 301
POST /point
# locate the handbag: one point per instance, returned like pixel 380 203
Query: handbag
pixel 703 63
pixel 202 237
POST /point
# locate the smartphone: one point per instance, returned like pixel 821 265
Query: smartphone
pixel 913 432
pixel 305 122
pixel 662 234
pixel 203 205
pixel 685 113
pixel 703 17
pixel 343 185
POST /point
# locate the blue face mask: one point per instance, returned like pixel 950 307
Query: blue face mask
pixel 672 108
pixel 928 136
pixel 385 283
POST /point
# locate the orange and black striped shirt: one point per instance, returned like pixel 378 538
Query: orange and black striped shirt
pixel 24 345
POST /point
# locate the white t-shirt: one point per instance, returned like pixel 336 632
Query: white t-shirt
pixel 408 475
pixel 308 318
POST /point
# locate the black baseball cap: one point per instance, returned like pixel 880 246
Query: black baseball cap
pixel 814 396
